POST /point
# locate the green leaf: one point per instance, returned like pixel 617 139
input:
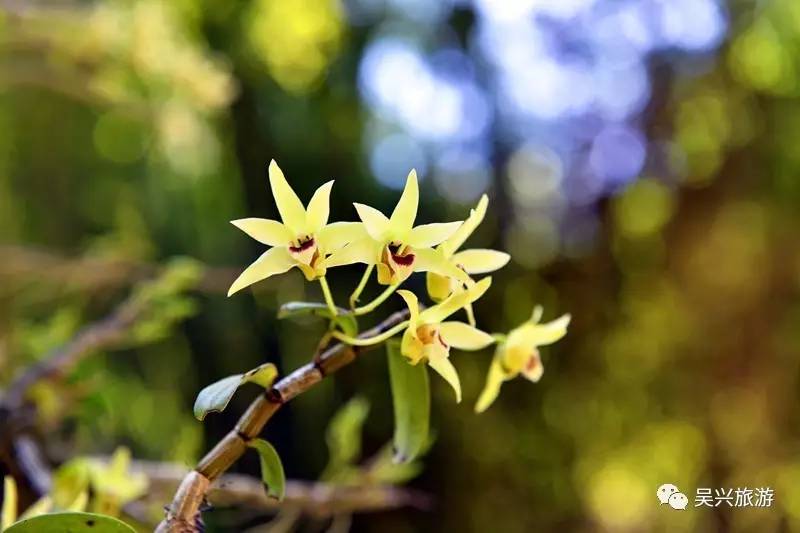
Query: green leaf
pixel 271 468
pixel 216 396
pixel 346 322
pixel 293 309
pixel 70 523
pixel 383 469
pixel 412 404
pixel 344 433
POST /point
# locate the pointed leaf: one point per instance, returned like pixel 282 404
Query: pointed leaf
pixel 383 468
pixel 71 523
pixel 263 375
pixel 412 404
pixel 344 432
pixel 271 468
pixel 215 397
pixel 292 309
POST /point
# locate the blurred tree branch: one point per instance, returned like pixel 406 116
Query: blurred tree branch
pixel 102 334
pixel 317 499
pixel 96 273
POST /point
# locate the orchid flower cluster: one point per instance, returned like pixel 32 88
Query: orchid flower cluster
pixel 395 248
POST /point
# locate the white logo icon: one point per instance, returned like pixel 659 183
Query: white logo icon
pixel 670 494
pixel 678 501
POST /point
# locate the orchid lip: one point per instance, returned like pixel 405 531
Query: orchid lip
pixel 532 363
pixel 304 245
pixel 402 260
pixel 430 334
pixel 506 368
pixel 441 340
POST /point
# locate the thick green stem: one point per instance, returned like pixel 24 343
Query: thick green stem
pixel 369 341
pixel 361 285
pixel 326 291
pixel 364 309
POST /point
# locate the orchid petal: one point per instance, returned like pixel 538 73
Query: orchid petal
pixel 312 273
pixel 463 336
pixel 430 260
pixel 533 369
pixel 385 275
pixel 494 380
pixel 438 360
pixel 405 212
pixel 364 250
pixel 411 347
pixel 374 221
pixel 291 209
pixel 337 235
pixel 439 287
pixel 273 261
pixel 319 208
pixel 480 260
pixel 413 309
pixel 431 234
pixel 437 313
pixel 465 230
pixel 533 335
pixel 515 356
pixel 265 231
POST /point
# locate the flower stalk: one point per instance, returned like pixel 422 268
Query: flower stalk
pixel 361 284
pixel 368 308
pixel 370 341
pixel 326 292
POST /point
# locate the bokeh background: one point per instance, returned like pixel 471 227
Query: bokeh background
pixel 641 157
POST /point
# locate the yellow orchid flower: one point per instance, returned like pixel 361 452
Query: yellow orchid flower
pixel 394 245
pixel 303 239
pixel 428 337
pixel 473 261
pixel 8 511
pixel 114 484
pixel 518 354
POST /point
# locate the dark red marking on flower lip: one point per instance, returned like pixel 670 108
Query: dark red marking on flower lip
pixel 404 260
pixel 303 246
pixel 441 340
pixel 532 363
